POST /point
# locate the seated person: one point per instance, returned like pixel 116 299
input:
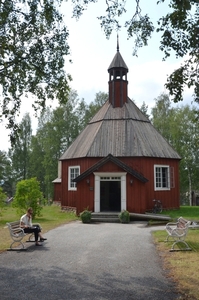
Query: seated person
pixel 26 224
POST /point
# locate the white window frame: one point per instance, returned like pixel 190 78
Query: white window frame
pixel 159 181
pixel 72 185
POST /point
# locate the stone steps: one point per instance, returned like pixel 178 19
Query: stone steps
pixel 105 217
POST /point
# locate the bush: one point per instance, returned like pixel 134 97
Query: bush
pixel 27 195
pixel 124 216
pixel 2 199
pixel 85 216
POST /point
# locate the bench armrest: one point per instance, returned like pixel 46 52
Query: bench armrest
pixel 170 225
pixel 17 231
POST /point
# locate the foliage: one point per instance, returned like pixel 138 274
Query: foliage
pixel 19 155
pixel 179 34
pixel 144 110
pixel 28 194
pixel 57 129
pixel 94 106
pixel 180 127
pixel 2 199
pixel 32 55
pixel 85 216
pixel 6 176
pixel 124 216
pixel 34 47
pixel 38 155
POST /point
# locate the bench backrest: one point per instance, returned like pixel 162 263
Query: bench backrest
pixel 14 227
pixel 183 223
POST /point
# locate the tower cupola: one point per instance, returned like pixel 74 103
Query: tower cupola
pixel 118 83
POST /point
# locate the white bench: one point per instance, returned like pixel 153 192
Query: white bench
pixel 17 234
pixel 194 225
pixel 178 232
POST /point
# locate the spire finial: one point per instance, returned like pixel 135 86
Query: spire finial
pixel 117 43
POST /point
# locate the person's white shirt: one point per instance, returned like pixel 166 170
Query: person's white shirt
pixel 26 220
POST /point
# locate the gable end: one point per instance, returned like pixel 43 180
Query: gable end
pixel 116 161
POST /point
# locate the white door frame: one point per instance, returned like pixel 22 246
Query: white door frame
pixel 98 175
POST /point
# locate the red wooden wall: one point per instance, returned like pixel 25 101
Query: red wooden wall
pixel 118 92
pixel 57 192
pixel 139 195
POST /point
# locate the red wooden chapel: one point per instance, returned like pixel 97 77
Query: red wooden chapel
pixel 119 161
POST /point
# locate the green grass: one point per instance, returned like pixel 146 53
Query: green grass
pixel 189 212
pixel 182 266
pixel 51 217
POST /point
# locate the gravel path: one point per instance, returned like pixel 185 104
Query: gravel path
pixel 87 261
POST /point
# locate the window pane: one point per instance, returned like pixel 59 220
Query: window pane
pixel 158 177
pixel 162 179
pixel 74 172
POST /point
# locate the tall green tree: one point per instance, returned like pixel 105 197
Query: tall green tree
pixel 3 197
pixel 19 155
pixel 33 46
pixel 6 174
pixel 161 115
pixel 180 127
pixel 185 130
pixel 56 131
pixel 36 158
pixel 144 109
pixel 94 106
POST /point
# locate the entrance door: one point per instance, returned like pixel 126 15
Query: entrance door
pixel 110 187
pixel 110 196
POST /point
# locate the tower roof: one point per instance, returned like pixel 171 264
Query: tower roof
pixel 118 61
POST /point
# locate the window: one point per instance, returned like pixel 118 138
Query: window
pixel 162 177
pixel 110 178
pixel 73 172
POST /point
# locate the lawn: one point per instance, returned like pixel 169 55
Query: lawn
pixel 51 217
pixel 182 266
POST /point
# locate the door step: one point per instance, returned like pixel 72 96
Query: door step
pixel 105 217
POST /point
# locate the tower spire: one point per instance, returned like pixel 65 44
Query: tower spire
pixel 117 43
pixel 118 94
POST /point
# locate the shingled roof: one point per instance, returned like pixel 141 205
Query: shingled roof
pixel 122 132
pixel 118 61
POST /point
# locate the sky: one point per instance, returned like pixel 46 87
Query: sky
pixel 92 54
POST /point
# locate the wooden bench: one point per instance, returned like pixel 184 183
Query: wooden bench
pixel 17 234
pixel 178 232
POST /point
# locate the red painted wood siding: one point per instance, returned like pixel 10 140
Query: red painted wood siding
pixel 118 92
pixel 139 195
pixel 170 198
pixel 57 192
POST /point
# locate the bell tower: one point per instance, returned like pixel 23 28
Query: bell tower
pixel 118 84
